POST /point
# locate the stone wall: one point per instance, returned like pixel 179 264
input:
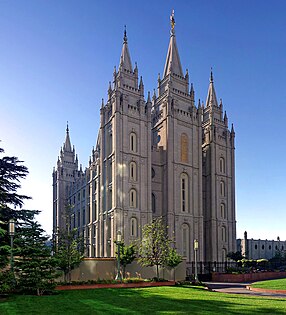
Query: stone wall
pixel 247 277
pixel 105 268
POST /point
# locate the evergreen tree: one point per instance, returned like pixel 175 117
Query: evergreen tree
pixel 127 255
pixel 34 265
pixel 11 172
pixel 68 247
pixel 155 245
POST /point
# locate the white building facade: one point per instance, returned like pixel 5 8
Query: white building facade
pixel 166 156
pixel 260 249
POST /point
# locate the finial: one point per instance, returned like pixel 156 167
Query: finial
pixel 102 103
pixel 67 127
pixel 211 77
pixel 187 73
pixel 172 21
pixel 125 35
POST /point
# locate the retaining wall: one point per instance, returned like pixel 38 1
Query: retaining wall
pixel 105 268
pixel 247 277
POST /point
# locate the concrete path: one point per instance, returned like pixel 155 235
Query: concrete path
pixel 238 288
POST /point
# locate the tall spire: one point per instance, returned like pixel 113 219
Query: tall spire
pixel 211 98
pixel 67 144
pixel 173 63
pixel 125 60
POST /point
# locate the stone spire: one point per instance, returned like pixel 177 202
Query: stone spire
pixel 67 144
pixel 211 98
pixel 173 63
pixel 125 60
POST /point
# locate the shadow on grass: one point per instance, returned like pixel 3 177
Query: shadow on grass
pixel 171 300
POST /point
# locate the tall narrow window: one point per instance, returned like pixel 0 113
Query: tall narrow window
pixel 185 241
pixel 133 142
pixel 153 203
pixel 223 234
pixel 222 165
pixel 133 171
pixel 184 148
pixel 222 188
pixel 133 227
pixel 184 193
pixel 222 211
pixel 223 256
pixel 133 198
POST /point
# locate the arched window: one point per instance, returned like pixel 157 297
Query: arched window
pixel 222 211
pixel 133 198
pixel 153 203
pixel 133 227
pixel 184 148
pixel 186 241
pixel 222 188
pixel 184 192
pixel 223 234
pixel 222 165
pixel 133 171
pixel 133 142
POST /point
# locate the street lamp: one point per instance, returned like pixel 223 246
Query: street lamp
pixel 118 243
pixel 11 233
pixel 196 247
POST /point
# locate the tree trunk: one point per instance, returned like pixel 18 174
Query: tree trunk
pixel 157 269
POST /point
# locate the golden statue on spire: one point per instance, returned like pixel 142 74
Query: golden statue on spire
pixel 172 20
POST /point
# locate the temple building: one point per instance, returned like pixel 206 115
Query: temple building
pixel 167 155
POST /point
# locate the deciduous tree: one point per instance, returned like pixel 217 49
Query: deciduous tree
pixel 155 245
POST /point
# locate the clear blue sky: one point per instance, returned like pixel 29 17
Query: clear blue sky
pixel 57 57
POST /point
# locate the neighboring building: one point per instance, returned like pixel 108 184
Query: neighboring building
pixel 258 249
pixel 166 156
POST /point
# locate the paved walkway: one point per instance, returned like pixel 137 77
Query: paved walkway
pixel 238 288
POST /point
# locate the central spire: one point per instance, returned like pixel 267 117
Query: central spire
pixel 173 63
pixel 67 144
pixel 125 60
pixel 211 98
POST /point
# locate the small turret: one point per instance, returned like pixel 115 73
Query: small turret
pixel 141 87
pixel 192 94
pixel 225 119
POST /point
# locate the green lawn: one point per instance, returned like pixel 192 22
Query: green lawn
pixel 156 300
pixel 278 284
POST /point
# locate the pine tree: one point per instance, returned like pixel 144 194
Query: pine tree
pixel 155 245
pixel 34 265
pixel 11 172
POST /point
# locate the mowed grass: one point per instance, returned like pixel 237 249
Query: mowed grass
pixel 278 284
pixel 156 300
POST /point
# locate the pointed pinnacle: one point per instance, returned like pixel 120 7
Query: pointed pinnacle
pixel 232 129
pixel 211 77
pixel 67 130
pixel 125 35
pixel 149 98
